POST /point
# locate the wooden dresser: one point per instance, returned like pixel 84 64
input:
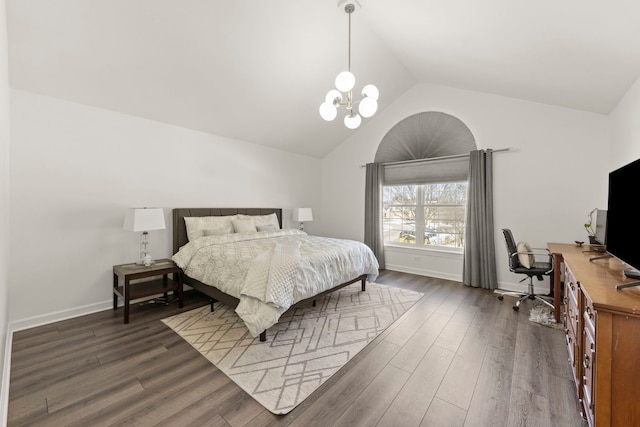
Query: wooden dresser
pixel 603 336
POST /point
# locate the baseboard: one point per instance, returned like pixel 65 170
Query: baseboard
pixel 56 316
pixel 422 272
pixel 542 288
pixel 6 371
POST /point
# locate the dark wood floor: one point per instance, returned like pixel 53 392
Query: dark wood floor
pixel 459 357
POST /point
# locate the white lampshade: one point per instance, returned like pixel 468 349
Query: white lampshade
pixel 144 219
pixel 352 121
pixel 332 96
pixel 302 214
pixel 327 111
pixel 368 107
pixel 370 91
pixel 345 81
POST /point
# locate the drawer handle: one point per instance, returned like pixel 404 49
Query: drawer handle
pixel 588 312
pixel 586 362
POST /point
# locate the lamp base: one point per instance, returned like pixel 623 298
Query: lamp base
pixel 146 261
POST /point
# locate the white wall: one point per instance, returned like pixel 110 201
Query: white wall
pixel 4 205
pixel 625 128
pixel 76 169
pixel 543 189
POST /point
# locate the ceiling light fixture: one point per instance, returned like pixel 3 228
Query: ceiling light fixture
pixel 343 94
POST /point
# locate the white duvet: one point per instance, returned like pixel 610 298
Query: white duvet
pixel 271 270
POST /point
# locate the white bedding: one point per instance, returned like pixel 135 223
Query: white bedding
pixel 271 270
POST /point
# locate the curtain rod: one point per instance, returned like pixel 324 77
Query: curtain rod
pixel 452 156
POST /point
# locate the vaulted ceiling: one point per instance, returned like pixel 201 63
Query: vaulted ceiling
pixel 257 70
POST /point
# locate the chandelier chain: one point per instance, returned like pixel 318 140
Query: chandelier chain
pixel 349 11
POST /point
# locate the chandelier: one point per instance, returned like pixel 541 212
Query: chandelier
pixel 343 94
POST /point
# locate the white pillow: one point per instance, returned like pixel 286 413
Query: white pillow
pixel 244 226
pixel 271 218
pixel 268 227
pixel 216 231
pixel 197 224
pixel 526 260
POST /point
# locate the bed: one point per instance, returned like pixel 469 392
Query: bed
pixel 243 258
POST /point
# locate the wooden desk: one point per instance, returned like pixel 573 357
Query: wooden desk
pixel 558 250
pixel 602 326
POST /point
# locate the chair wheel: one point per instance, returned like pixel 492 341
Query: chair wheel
pixel 501 297
pixel 516 308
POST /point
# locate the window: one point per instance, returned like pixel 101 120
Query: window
pixel 436 212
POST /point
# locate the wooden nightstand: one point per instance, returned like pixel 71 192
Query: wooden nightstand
pixel 130 291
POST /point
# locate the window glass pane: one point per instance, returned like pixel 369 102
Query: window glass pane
pixel 444 214
pixel 443 206
pixel 392 196
pixel 399 214
pixel 392 223
pixel 409 194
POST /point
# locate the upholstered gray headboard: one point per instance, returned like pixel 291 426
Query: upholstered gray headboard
pixel 180 229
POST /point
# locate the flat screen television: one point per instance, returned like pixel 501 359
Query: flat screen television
pixel 622 233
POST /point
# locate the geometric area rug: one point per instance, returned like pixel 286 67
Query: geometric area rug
pixel 306 346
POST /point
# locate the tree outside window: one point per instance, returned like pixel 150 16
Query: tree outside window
pixel 436 212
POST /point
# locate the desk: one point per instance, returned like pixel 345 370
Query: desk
pixel 557 250
pixel 602 326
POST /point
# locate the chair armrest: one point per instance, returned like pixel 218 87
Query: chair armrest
pixel 532 252
pixel 542 249
pixel 540 252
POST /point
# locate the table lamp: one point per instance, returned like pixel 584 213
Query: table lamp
pixel 145 220
pixel 302 215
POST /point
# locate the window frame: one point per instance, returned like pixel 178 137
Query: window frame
pixel 420 207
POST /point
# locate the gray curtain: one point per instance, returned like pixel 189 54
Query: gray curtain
pixel 373 211
pixel 479 264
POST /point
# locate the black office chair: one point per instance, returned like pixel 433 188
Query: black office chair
pixel 540 264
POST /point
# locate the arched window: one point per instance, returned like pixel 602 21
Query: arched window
pixel 425 162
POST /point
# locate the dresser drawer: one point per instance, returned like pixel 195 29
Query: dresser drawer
pixel 572 326
pixel 572 313
pixel 588 374
pixel 589 316
pixel 570 283
pixel 573 349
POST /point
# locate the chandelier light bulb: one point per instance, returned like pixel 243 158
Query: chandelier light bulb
pixel 328 111
pixel 368 107
pixel 352 121
pixel 332 96
pixel 370 91
pixel 345 81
